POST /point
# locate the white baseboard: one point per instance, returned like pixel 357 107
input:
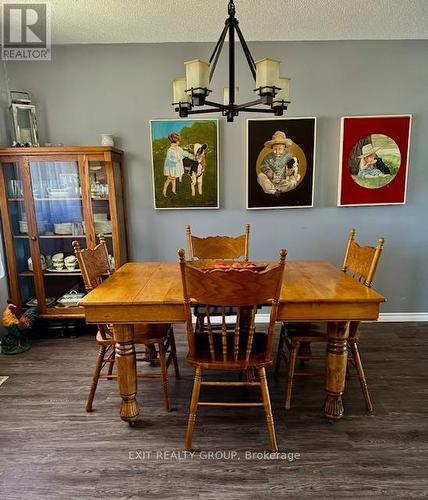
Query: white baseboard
pixel 383 318
pixel 402 317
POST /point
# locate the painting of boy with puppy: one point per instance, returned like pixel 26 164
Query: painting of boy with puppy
pixel 280 170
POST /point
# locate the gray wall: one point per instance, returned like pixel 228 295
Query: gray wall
pixel 87 90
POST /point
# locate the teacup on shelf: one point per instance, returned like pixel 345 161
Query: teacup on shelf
pixel 70 262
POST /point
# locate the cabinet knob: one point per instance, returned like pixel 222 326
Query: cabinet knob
pixel 33 238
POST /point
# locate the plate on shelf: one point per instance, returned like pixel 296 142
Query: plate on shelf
pixel 33 302
pixel 63 270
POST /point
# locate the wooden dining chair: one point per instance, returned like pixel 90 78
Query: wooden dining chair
pixel 295 339
pixel 218 247
pixel 236 346
pixel 94 265
pixel 226 248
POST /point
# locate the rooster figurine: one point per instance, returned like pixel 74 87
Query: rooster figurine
pixel 18 324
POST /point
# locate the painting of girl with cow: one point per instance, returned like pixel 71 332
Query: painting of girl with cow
pixel 185 163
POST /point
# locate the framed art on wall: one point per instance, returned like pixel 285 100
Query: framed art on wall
pixel 280 162
pixel 185 163
pixel 374 160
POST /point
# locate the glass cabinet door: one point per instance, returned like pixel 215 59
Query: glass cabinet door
pixel 22 282
pixel 100 201
pixel 59 215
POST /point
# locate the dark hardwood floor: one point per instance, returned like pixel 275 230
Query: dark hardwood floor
pixel 50 448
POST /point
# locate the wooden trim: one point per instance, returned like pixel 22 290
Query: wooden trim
pixel 56 150
pixel 33 234
pixel 108 165
pixel 119 160
pixel 88 217
pixel 9 247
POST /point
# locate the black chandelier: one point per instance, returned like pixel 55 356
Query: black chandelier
pixel 192 91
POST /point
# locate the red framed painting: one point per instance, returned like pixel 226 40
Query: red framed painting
pixel 374 159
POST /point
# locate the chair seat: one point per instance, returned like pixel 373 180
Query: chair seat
pixel 144 333
pixel 258 357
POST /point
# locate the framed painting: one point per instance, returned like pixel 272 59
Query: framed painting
pixel 280 162
pixel 374 159
pixel 185 163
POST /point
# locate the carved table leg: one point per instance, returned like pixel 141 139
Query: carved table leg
pixel 335 368
pixel 126 371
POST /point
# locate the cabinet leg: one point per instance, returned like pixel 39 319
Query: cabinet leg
pixel 126 371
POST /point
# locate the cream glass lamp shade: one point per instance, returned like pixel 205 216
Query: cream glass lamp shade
pixel 226 95
pixel 197 75
pixel 179 91
pixel 284 93
pixel 267 73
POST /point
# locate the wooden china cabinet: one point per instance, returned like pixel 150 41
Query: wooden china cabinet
pixel 50 196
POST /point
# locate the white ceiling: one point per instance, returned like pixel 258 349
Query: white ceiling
pixel 132 21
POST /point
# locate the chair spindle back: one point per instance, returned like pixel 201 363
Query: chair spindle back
pixel 244 289
pixel 361 262
pixel 93 263
pixel 218 247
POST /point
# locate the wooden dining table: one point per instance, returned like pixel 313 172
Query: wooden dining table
pixel 152 292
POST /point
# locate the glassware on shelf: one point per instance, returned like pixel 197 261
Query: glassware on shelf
pixel 42 262
pixel 14 187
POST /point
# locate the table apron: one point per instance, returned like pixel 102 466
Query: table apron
pixel 328 311
pixel 174 313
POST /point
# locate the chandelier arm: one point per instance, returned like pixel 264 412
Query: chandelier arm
pixel 257 110
pixel 217 51
pixel 246 50
pixel 216 105
pixel 199 111
pixel 239 107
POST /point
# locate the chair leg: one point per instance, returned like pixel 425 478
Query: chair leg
pixel 361 376
pixel 164 374
pixel 95 377
pixel 290 373
pixel 193 408
pixel 174 355
pixel 200 318
pixel 111 361
pixel 268 409
pixel 304 351
pixel 279 353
